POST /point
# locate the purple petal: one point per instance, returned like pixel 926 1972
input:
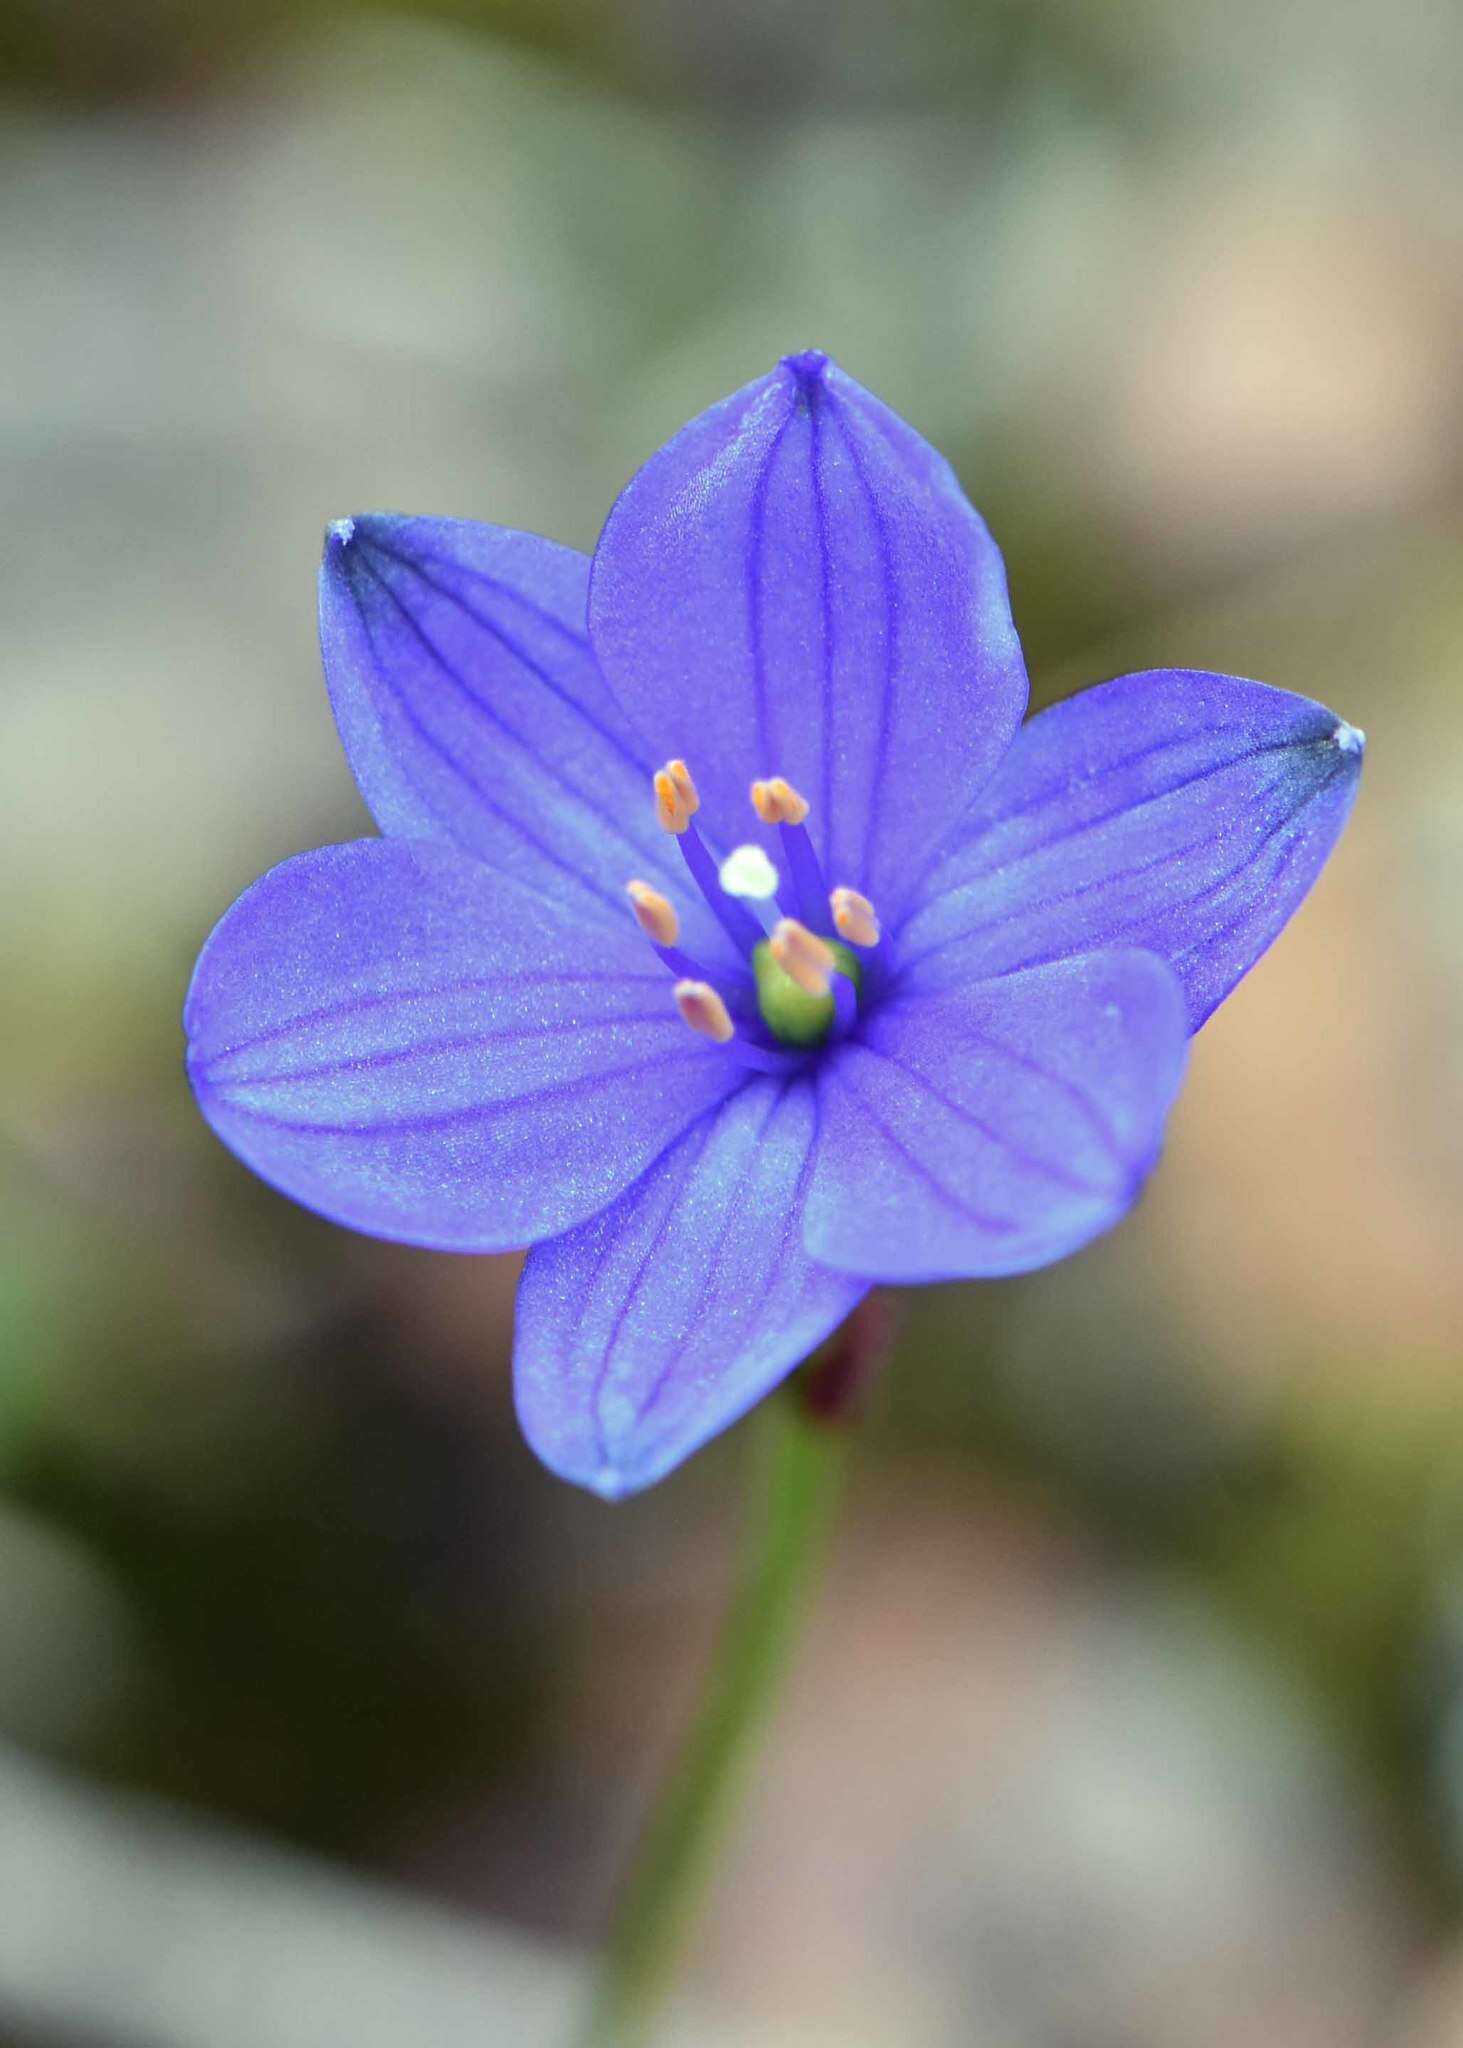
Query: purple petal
pixel 652 1327
pixel 399 1039
pixel 472 711
pixel 1178 811
pixel 795 585
pixel 995 1130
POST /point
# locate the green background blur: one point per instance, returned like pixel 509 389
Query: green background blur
pixel 1133 1714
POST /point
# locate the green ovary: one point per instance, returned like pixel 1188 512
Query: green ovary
pixel 789 1013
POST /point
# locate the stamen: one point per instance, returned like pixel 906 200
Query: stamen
pixel 776 802
pixel 806 987
pixel 854 917
pixel 845 1006
pixel 702 1008
pixel 656 917
pixel 803 957
pixel 676 800
pixel 707 1015
pixel 655 914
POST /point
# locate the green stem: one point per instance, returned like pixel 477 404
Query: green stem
pixel 800 1464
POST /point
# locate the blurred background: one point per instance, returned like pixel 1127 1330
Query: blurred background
pixel 1132 1716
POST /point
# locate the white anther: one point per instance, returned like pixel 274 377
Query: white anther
pixel 747 872
pixel 854 917
pixel 654 913
pixel 703 1009
pixel 803 956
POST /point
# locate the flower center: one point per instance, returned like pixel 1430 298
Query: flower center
pixel 795 1012
pixel 801 989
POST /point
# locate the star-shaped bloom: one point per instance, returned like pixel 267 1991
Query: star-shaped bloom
pixel 730 941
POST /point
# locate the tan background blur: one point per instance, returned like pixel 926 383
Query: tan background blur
pixel 1133 1716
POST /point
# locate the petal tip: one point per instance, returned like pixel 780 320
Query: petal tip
pixel 594 1469
pixel 610 1484
pixel 349 541
pixel 1349 739
pixel 808 367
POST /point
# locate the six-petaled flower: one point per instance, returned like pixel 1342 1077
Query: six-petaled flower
pixel 730 941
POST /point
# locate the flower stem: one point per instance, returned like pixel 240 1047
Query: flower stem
pixel 800 1463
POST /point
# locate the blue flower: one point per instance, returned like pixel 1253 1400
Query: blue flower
pixel 944 1046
